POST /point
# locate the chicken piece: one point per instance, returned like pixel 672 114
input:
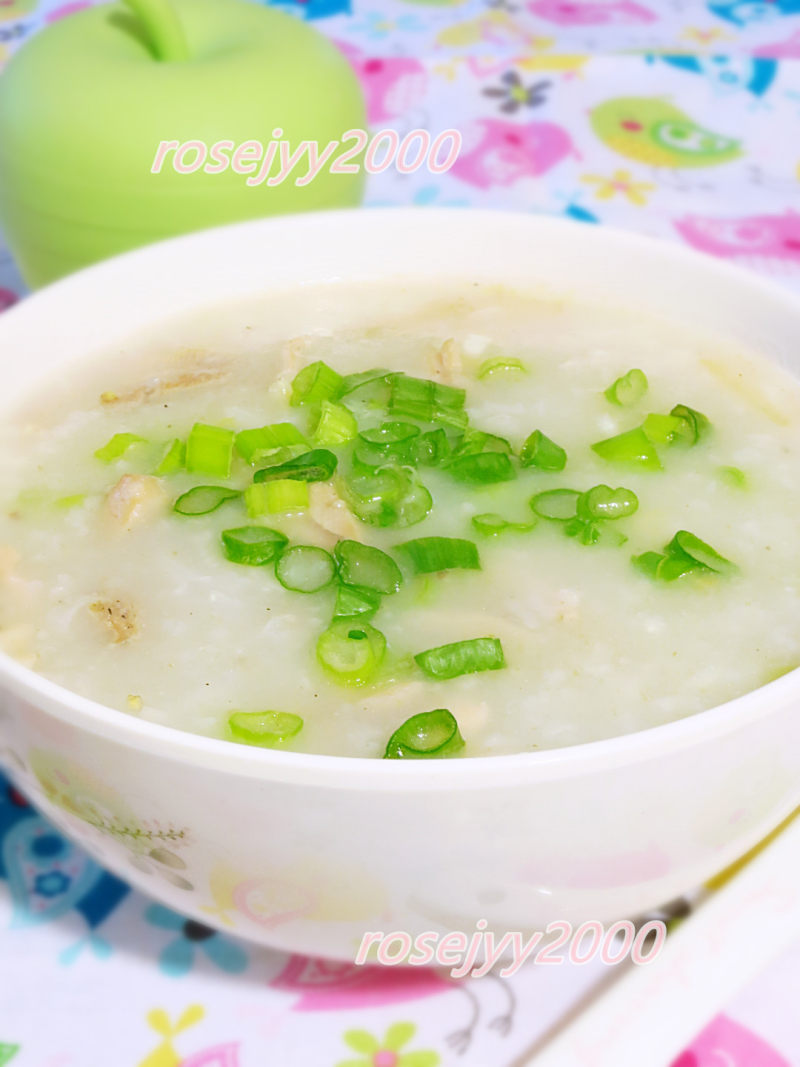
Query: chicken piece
pixel 136 498
pixel 118 617
pixel 445 363
pixel 329 511
pixel 159 387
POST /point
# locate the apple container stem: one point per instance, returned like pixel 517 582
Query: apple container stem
pixel 162 27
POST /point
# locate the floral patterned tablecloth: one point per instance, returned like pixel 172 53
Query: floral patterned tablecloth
pixel 673 117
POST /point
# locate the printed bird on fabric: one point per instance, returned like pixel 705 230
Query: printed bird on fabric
pixel 650 130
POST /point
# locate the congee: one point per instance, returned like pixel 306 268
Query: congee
pixel 418 525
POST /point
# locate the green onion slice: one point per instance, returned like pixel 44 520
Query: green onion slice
pixel 315 383
pixel 118 446
pixel 593 532
pixel 335 425
pixel 428 555
pixel 426 401
pixel 629 389
pixel 430 733
pixel 387 497
pixel 368 567
pixel 351 382
pixel 432 448
pixel 270 498
pixel 354 600
pixel 209 450
pixel 317 465
pixel 389 442
pixel 556 504
pixel 351 651
pixel 490 525
pixel 648 562
pixel 501 365
pixel 204 499
pixel 633 448
pixel 253 545
pixel 701 552
pixel 484 468
pixel 267 728
pixel 661 429
pixel 475 441
pixel 540 452
pixel 462 657
pixel 603 502
pixel 305 568
pixel 253 445
pixel 173 460
pixel 693 426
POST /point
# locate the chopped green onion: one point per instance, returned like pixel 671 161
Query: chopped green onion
pixel 603 502
pixel 351 382
pixel 351 651
pixel 353 600
pixel 368 567
pixel 305 568
pixel 427 401
pixel 648 562
pixel 685 554
pixel 633 448
pixel 388 497
pixel 315 383
pixel 733 477
pixel 253 545
pixel 335 425
pixel 462 657
pixel 204 499
pixel 484 468
pixel 701 552
pixel 317 465
pixel 432 448
pixel 661 429
pixel 500 365
pixel 490 525
pixel 389 442
pixel 209 450
pixel 539 451
pixel 174 459
pixel 475 441
pixel 694 425
pixel 270 498
pixel 629 389
pixel 593 532
pixel 430 733
pixel 117 446
pixel 428 555
pixel 267 728
pixel 556 504
pixel 253 445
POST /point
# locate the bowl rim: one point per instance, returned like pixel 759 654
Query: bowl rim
pixel 362 773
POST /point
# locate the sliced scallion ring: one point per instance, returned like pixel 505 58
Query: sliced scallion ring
pixel 266 728
pixel 351 651
pixel 204 499
pixel 462 657
pixel 253 545
pixel 305 568
pixel 426 735
pixel 428 555
pixel 368 567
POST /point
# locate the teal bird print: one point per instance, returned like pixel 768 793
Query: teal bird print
pixel 650 130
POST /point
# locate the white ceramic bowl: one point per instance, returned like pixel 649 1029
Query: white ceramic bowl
pixel 307 852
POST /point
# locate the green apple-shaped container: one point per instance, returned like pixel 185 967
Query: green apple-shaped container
pixel 84 106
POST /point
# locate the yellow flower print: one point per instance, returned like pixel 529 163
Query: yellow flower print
pixel 388 1053
pixel 621 181
pixel 704 36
